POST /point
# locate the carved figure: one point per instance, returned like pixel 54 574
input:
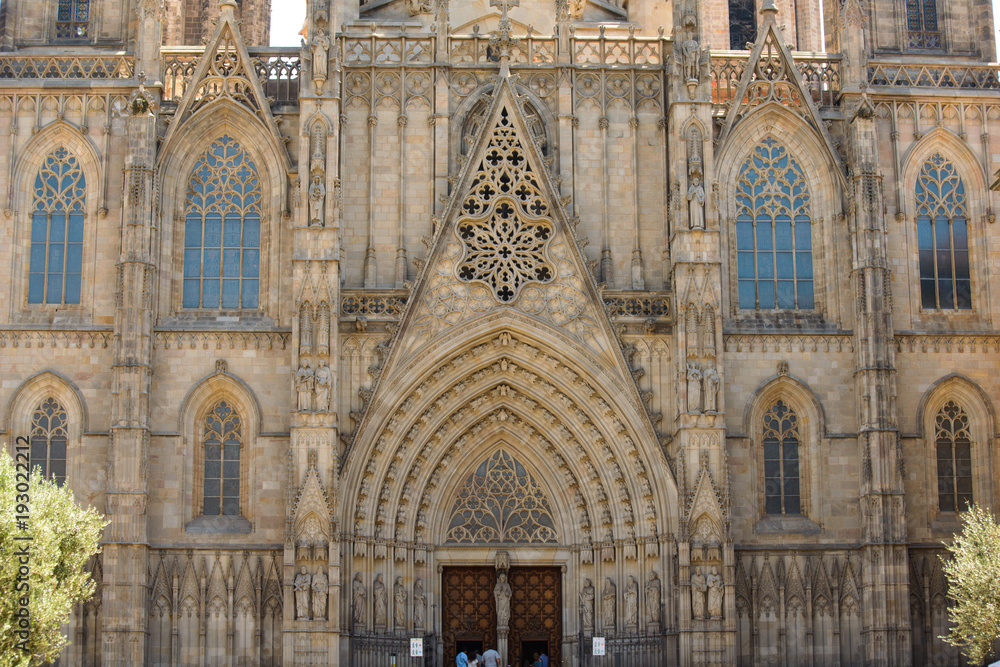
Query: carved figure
pixel 360 596
pixel 631 602
pixel 317 197
pixel 608 604
pixel 699 587
pixel 320 57
pixel 691 52
pixel 419 603
pixel 587 596
pixel 399 603
pixel 418 7
pixel 653 597
pixel 381 603
pixel 502 593
pixel 711 389
pixel 715 593
pixel 320 595
pixel 694 388
pixel 324 383
pixel 696 203
pixel 304 382
pixel 302 587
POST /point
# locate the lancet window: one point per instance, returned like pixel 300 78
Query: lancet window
pixel 943 237
pixel 954 458
pixel 773 231
pixel 73 19
pixel 222 230
pixel 56 263
pixel 781 461
pixel 742 23
pixel 222 444
pixel 922 24
pixel 48 440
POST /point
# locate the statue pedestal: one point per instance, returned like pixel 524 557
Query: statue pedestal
pixel 502 634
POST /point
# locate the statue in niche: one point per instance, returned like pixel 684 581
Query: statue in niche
pixel 381 604
pixel 317 197
pixel 694 388
pixel 696 203
pixel 419 603
pixel 711 389
pixel 631 602
pixel 699 587
pixel 587 596
pixel 320 58
pixel 303 589
pixel 360 597
pixel 653 597
pixel 320 595
pixel 399 604
pixel 324 384
pixel 305 381
pixel 502 594
pixel 691 52
pixel 715 592
pixel 608 603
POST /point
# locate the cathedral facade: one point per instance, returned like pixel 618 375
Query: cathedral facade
pixel 662 327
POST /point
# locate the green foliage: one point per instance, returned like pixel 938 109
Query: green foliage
pixel 973 575
pixel 64 537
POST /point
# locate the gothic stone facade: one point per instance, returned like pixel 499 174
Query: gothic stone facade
pixel 669 323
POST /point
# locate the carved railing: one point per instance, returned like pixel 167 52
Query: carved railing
pixel 949 77
pixel 373 304
pixel 628 305
pixel 277 69
pixel 67 66
pixel 381 50
pixel 601 51
pixel 820 73
pixel 55 338
pixel 475 50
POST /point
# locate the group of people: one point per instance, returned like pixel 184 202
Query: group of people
pixel 492 659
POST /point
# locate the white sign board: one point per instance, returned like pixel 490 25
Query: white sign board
pixel 598 645
pixel 416 648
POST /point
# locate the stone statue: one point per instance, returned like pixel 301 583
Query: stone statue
pixel 715 593
pixel 381 604
pixel 360 596
pixel 419 7
pixel 631 602
pixel 399 603
pixel 711 389
pixel 320 595
pixel 694 388
pixel 696 203
pixel 324 383
pixel 419 603
pixel 304 382
pixel 698 589
pixel 317 197
pixel 587 596
pixel 608 601
pixel 502 593
pixel 302 587
pixel 653 598
pixel 320 58
pixel 691 52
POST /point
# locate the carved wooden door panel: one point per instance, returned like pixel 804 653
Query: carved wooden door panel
pixel 535 612
pixel 470 611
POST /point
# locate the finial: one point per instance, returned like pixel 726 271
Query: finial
pixel 227 3
pixel 503 42
pixel 768 7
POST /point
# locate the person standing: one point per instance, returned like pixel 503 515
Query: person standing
pixel 544 659
pixel 461 660
pixel 491 658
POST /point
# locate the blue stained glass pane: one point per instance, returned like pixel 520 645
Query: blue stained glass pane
pixel 231 263
pixel 37 258
pixel 251 232
pixel 744 235
pixel 192 232
pixel 192 263
pixel 806 294
pixel 960 234
pixel 786 294
pixel 72 288
pixel 211 266
pixel 250 297
pixel 945 294
pixel 942 234
pixel 944 264
pixel 53 293
pixel 783 234
pixel 962 264
pixel 748 297
pixel 784 265
pixel 56 258
pixel 75 228
pixel 213 232
pixel 765 295
pixel 230 293
pixel 39 227
pixel 192 292
pixel 803 234
pixel 210 293
pixel 74 258
pixel 36 287
pixel 744 262
pixel 233 231
pixel 924 233
pixel 764 232
pixel 928 295
pixel 804 264
pixel 963 294
pixel 765 266
pixel 57 228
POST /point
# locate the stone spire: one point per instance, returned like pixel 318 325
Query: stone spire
pixel 503 41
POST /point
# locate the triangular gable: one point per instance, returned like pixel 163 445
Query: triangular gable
pixel 772 77
pixel 225 71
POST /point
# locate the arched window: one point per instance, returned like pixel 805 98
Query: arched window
pixel 742 23
pixel 773 231
pixel 48 439
pixel 56 262
pixel 922 24
pixel 73 19
pixel 222 229
pixel 942 236
pixel 781 461
pixel 954 458
pixel 223 441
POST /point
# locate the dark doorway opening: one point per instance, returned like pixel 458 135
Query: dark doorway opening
pixel 529 648
pixel 471 648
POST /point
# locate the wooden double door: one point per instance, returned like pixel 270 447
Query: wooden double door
pixel 469 619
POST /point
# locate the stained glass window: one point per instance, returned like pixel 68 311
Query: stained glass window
pixel 942 237
pixel 48 440
pixel 222 230
pixel 73 19
pixel 56 261
pixel 922 24
pixel 781 461
pixel 954 458
pixel 773 231
pixel 222 443
pixel 742 23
